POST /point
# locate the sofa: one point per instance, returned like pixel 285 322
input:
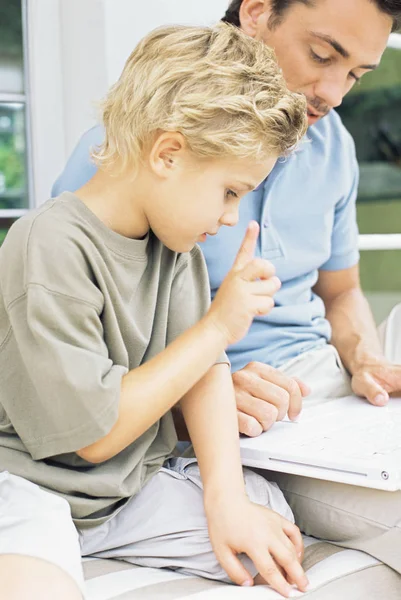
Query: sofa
pixel 334 573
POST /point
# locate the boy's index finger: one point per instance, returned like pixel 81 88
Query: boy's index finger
pixel 247 251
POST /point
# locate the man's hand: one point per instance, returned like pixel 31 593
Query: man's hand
pixel 273 544
pixel 376 380
pixel 265 395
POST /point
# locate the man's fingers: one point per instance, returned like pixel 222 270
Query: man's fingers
pixel 304 387
pixel 271 386
pixel 295 404
pixel 247 251
pixel 377 383
pixel 293 388
pixel 265 414
pixel 367 387
pixel 234 568
pixel 249 425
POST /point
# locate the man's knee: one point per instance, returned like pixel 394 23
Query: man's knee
pixel 389 335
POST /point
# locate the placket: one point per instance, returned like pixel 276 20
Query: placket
pixel 271 247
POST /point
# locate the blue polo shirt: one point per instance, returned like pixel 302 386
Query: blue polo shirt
pixel 306 209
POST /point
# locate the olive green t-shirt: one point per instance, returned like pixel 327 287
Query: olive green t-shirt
pixel 81 305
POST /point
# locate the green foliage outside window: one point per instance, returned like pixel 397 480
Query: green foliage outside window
pixel 12 167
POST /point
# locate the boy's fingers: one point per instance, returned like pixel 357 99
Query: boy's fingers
pixel 265 287
pixel 263 305
pixel 248 246
pixel 295 536
pixel 235 569
pixel 258 268
pixel 271 574
pixel 287 559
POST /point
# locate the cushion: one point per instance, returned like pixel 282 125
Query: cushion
pixel 334 574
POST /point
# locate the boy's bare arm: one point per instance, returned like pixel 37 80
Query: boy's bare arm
pixel 210 414
pixel 236 525
pixel 152 389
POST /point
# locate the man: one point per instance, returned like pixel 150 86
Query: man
pixel 320 340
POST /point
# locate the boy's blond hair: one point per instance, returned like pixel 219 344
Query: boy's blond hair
pixel 218 87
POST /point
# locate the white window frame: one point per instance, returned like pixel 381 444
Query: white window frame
pixel 383 241
pixel 22 98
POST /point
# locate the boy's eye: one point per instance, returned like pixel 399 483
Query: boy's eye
pixel 231 193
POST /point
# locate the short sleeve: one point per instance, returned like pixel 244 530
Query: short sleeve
pixel 344 238
pixel 80 167
pixel 68 394
pixel 190 296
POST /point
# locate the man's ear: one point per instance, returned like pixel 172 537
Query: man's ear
pixel 249 14
pixel 166 153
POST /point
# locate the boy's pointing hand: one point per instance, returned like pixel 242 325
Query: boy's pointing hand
pixel 246 292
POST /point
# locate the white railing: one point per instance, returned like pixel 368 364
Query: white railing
pixel 380 241
pixel 395 41
pixel 383 241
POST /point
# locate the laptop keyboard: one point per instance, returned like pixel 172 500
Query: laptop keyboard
pixel 378 434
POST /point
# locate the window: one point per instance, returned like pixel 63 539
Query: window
pixel 372 113
pixel 14 156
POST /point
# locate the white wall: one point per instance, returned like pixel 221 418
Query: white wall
pixel 127 21
pixel 77 48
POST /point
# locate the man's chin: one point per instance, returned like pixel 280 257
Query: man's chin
pixel 312 119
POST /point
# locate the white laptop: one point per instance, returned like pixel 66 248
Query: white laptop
pixel 345 440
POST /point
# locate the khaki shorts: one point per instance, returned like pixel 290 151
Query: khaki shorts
pixel 162 526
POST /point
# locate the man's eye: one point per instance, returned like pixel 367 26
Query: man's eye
pixel 353 76
pixel 231 193
pixel 319 59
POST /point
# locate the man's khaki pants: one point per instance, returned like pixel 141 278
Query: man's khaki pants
pixel 353 517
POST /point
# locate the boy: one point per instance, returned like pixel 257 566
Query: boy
pixel 105 325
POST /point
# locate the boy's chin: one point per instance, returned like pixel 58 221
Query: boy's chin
pixel 179 246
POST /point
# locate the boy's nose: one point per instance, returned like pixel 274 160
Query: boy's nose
pixel 230 218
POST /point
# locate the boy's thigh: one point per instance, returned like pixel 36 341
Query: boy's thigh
pixel 350 516
pixel 165 526
pixel 37 524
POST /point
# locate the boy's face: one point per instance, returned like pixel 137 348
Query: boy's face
pixel 323 48
pixel 200 196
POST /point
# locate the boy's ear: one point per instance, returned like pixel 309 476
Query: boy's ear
pixel 166 153
pixel 250 12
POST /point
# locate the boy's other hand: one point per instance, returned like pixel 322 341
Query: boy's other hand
pixel 272 543
pixel 247 290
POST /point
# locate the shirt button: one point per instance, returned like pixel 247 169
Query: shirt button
pixel 265 224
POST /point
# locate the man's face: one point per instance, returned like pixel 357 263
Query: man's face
pixel 323 49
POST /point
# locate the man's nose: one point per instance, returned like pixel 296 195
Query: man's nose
pixel 330 91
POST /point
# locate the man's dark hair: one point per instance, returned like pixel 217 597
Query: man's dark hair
pixel 279 7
